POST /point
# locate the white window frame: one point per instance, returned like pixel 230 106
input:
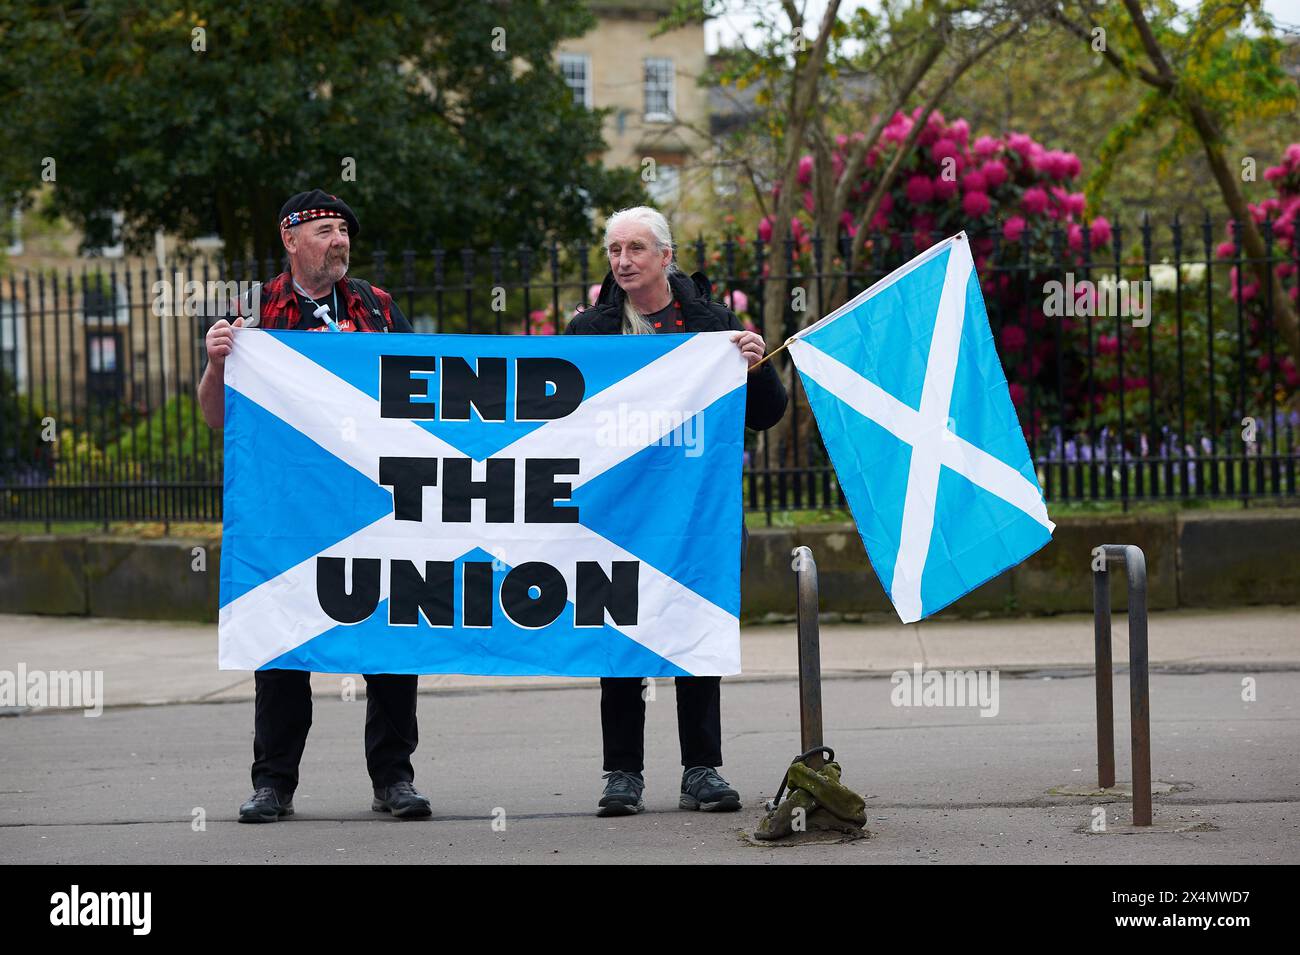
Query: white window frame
pixel 724 180
pixel 13 341
pixel 15 244
pixel 118 316
pixel 116 250
pixel 670 71
pixel 660 190
pixel 571 59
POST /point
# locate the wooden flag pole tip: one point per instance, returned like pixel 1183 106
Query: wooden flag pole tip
pixel 771 354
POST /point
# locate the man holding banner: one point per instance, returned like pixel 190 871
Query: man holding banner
pixel 645 293
pixel 314 295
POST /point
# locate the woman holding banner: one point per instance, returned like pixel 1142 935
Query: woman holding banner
pixel 645 293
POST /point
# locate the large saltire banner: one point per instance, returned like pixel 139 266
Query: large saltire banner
pixel 483 504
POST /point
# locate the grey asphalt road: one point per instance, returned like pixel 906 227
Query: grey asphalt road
pixel 514 775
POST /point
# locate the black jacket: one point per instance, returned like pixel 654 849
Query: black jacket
pixel 765 397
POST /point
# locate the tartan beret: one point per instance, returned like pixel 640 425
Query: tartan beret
pixel 318 204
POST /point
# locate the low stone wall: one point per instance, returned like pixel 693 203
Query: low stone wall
pixel 1194 559
pixel 169 579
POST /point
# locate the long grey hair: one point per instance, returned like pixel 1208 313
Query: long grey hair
pixel 635 323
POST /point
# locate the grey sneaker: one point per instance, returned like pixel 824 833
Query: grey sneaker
pixel 266 805
pixel 403 800
pixel 622 796
pixel 703 788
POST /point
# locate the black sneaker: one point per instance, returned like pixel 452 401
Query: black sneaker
pixel 622 796
pixel 403 800
pixel 266 805
pixel 703 788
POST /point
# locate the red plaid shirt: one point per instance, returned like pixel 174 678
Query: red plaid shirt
pixel 280 309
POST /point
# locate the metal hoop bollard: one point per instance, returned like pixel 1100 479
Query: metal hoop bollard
pixel 1135 563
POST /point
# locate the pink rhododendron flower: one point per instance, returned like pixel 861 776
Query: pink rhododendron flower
pixel 994 172
pixel 1034 201
pixel 944 189
pixel 805 170
pixel 986 146
pixel 1013 229
pixel 1013 337
pixel 1100 230
pixel 943 149
pixel 976 203
pixel 918 190
pixel 1022 144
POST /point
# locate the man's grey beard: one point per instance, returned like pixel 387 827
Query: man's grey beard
pixel 330 272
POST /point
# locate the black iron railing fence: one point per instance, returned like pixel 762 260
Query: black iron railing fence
pixel 1151 367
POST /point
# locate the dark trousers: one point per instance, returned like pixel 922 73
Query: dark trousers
pixel 699 721
pixel 283 717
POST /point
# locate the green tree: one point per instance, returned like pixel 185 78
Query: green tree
pixel 1205 75
pixel 437 120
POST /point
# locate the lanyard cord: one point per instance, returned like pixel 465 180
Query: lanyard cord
pixel 330 322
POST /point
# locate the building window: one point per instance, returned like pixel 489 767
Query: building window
pixel 14 243
pixel 665 188
pixel 104 304
pixel 576 69
pixel 724 180
pixel 103 371
pixel 13 359
pixel 658 90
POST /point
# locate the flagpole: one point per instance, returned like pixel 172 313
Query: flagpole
pixel 775 353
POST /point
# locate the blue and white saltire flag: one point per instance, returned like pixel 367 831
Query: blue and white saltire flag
pixel 912 404
pixel 483 504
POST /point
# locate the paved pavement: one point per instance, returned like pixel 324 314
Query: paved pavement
pixel 513 767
